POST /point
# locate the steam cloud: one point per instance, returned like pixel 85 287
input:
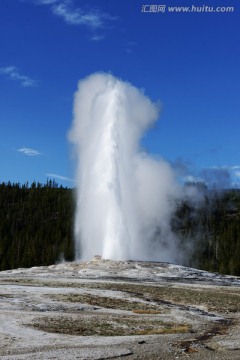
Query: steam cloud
pixel 125 198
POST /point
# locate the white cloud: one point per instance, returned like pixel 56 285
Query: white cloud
pixel 226 167
pixel 12 73
pixel 75 16
pixel 97 37
pixel 221 176
pixel 235 167
pixel 72 14
pixel 45 2
pixel 60 177
pixel 29 151
pixel 192 179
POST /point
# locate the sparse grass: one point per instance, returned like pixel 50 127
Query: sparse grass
pixel 107 326
pixel 110 303
pixel 170 329
pixel 214 298
pixel 145 303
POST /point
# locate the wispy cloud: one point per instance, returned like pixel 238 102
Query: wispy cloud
pixel 72 14
pixel 60 177
pixel 219 177
pixel 75 16
pixel 45 2
pixel 97 37
pixel 192 179
pixel 235 173
pixel 12 73
pixel 129 47
pixel 29 151
pixel 235 167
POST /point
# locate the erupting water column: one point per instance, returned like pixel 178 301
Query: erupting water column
pixel 109 119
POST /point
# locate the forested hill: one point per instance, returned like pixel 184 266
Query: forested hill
pixel 36 227
pixel 36 224
pixel 210 231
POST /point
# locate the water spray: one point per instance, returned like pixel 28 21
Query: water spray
pixel 124 197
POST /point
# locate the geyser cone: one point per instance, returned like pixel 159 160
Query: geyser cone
pixel 110 117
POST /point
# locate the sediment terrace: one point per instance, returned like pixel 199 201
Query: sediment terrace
pixel 106 309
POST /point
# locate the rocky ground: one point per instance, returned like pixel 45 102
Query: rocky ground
pixel 106 309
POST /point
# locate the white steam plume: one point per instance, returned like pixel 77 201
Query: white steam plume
pixel 124 197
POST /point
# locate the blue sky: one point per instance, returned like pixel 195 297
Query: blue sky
pixel 187 61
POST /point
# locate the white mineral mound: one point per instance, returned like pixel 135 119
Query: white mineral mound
pixel 103 309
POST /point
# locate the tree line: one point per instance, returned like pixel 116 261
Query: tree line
pixel 36 227
pixel 36 224
pixel 210 231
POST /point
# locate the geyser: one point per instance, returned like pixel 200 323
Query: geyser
pixel 124 197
